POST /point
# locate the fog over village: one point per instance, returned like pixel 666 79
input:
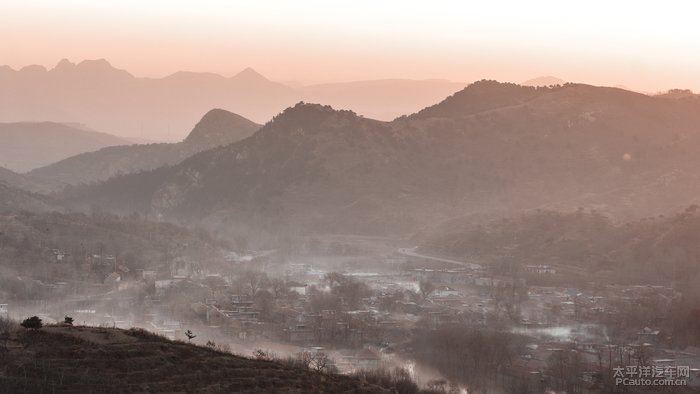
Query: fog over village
pixel 204 231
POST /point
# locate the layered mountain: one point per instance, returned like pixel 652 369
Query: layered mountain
pixel 490 149
pixel 216 128
pixel 28 145
pixel 109 99
pixel 162 109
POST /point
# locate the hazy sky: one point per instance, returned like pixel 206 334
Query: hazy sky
pixel 644 45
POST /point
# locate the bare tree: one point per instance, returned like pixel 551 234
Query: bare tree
pixel 262 354
pixel 189 335
pixel 334 278
pixel 255 281
pixel 321 362
pixel 279 287
pixel 426 287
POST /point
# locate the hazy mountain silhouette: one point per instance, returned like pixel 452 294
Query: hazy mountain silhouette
pixel 106 98
pixel 26 145
pixel 489 149
pixel 216 128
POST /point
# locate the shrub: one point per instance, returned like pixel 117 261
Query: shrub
pixel 33 322
pixel 261 354
pixel 399 379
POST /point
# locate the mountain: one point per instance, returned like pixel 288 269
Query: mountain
pixel 162 109
pixel 216 128
pixel 27 145
pixel 134 360
pixel 544 81
pixel 109 99
pixel 491 149
pixel 480 97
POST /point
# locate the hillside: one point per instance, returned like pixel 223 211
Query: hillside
pixel 13 198
pixel 216 128
pixel 488 150
pixel 659 250
pixel 27 145
pixel 90 360
pixel 29 241
pixel 27 182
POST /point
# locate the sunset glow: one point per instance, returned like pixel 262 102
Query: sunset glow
pixel 640 45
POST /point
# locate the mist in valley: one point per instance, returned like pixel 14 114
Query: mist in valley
pixel 202 232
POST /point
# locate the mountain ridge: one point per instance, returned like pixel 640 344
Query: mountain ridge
pixel 313 167
pixel 113 100
pixel 217 127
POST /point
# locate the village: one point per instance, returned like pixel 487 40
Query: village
pixel 364 312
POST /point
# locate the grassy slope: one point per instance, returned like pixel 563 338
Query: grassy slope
pixel 97 360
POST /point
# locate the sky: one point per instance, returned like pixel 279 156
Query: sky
pixel 646 46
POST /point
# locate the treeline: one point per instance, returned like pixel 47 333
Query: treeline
pixel 471 357
pixel 54 246
pixel 659 250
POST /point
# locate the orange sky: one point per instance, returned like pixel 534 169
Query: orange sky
pixel 643 46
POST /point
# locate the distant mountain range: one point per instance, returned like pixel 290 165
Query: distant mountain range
pixel 112 100
pixel 216 128
pixel 28 145
pixel 491 149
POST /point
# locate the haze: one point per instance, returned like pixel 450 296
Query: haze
pixel 625 43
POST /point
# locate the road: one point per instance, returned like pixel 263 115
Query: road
pixel 411 253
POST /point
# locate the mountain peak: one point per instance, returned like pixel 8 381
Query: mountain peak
pixel 64 64
pixel 221 126
pixel 96 64
pixel 309 113
pixel 33 68
pixel 99 66
pixel 480 96
pixel 249 74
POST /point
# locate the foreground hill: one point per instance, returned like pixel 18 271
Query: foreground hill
pixel 103 360
pixel 216 128
pixel 490 149
pixel 27 145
